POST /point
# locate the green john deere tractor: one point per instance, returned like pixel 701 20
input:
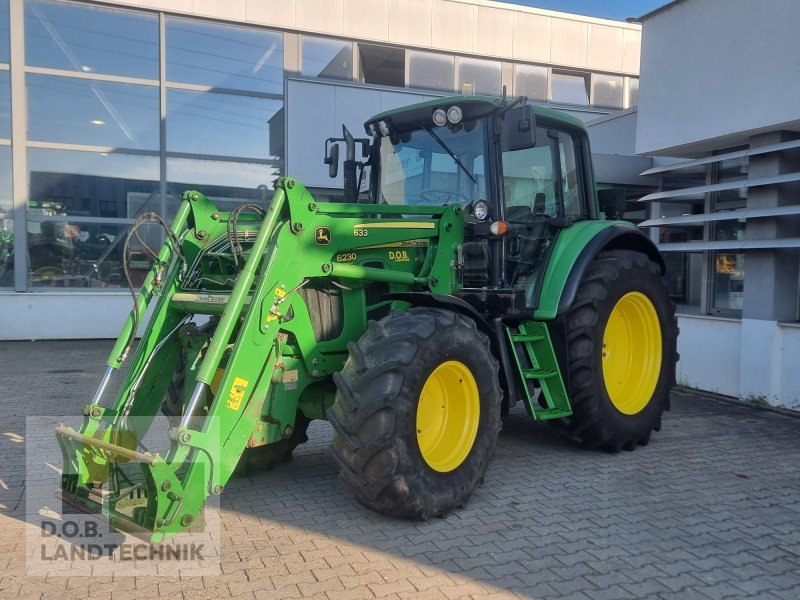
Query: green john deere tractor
pixel 475 272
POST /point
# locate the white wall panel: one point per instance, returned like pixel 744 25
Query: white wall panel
pixel 568 42
pixel 368 20
pixel 716 371
pixel 57 316
pixel 452 26
pixel 494 31
pixel 410 22
pixel 278 14
pixel 232 10
pixel 321 15
pixel 718 71
pixel 532 37
pixel 790 375
pixel 605 48
pixel 631 50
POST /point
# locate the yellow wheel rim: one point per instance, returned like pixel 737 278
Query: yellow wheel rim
pixel 632 353
pixel 447 416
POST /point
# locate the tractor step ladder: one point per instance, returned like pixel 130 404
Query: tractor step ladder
pixel 532 340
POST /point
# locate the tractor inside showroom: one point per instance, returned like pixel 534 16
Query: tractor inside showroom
pixel 469 268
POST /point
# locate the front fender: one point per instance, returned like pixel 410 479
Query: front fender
pixel 575 248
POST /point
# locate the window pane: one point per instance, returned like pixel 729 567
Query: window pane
pixel 728 281
pixel 633 92
pixel 5 104
pixel 224 124
pixel 574 204
pixel 6 222
pixel 224 56
pixel 86 255
pixel 90 39
pixel 477 76
pixel 6 204
pixel 226 183
pixel 92 184
pixel 80 111
pixel 4 32
pixel 429 71
pixel 382 65
pixel 327 58
pixel 530 81
pixel 684 279
pixel 607 91
pixel 569 89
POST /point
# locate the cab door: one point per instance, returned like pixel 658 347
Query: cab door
pixel 543 192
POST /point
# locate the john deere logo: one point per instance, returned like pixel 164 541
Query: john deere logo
pixel 322 235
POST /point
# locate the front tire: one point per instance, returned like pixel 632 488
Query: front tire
pixel 621 345
pixel 417 413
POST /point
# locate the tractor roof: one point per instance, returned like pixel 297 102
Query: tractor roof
pixel 471 106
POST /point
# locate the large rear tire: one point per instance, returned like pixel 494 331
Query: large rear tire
pixel 621 346
pixel 417 413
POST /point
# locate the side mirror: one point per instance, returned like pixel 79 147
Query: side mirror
pixel 332 160
pixel 519 128
pixel 612 203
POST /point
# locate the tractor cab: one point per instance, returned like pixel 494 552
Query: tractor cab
pixel 521 174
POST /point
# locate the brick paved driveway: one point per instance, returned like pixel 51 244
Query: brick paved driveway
pixel 711 509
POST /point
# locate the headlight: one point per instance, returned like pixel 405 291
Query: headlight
pixel 372 131
pixel 439 117
pixel 454 114
pixel 384 127
pixel 480 210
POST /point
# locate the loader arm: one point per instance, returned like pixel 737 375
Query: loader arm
pixel 247 372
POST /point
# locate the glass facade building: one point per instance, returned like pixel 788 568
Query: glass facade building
pixel 110 112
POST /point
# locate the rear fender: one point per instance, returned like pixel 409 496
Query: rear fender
pixel 575 249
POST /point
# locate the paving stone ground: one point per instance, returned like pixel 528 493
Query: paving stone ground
pixel 709 510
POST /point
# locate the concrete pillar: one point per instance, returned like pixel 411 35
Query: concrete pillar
pixel 771 276
pixel 771 290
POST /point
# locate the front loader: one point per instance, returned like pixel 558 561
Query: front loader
pixel 467 269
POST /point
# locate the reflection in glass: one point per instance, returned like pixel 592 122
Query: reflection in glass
pixel 4 32
pixel 92 184
pixel 5 104
pixel 225 56
pixel 728 280
pixel 6 220
pixel 322 57
pixel 224 124
pixel 85 255
pixel 430 71
pixel 569 89
pixel 530 81
pixel 633 92
pixel 226 183
pixel 684 279
pixel 6 203
pixel 607 91
pixel 81 111
pixel 476 76
pixel 89 39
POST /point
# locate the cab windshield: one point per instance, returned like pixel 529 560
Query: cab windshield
pixel 434 165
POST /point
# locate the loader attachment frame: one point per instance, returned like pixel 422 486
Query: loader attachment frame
pixel 261 363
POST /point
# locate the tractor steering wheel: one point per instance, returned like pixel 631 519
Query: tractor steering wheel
pixel 444 197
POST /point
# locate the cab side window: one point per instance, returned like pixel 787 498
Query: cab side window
pixel 529 179
pixel 574 202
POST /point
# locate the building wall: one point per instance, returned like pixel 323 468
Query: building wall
pixel 715 72
pixel 468 26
